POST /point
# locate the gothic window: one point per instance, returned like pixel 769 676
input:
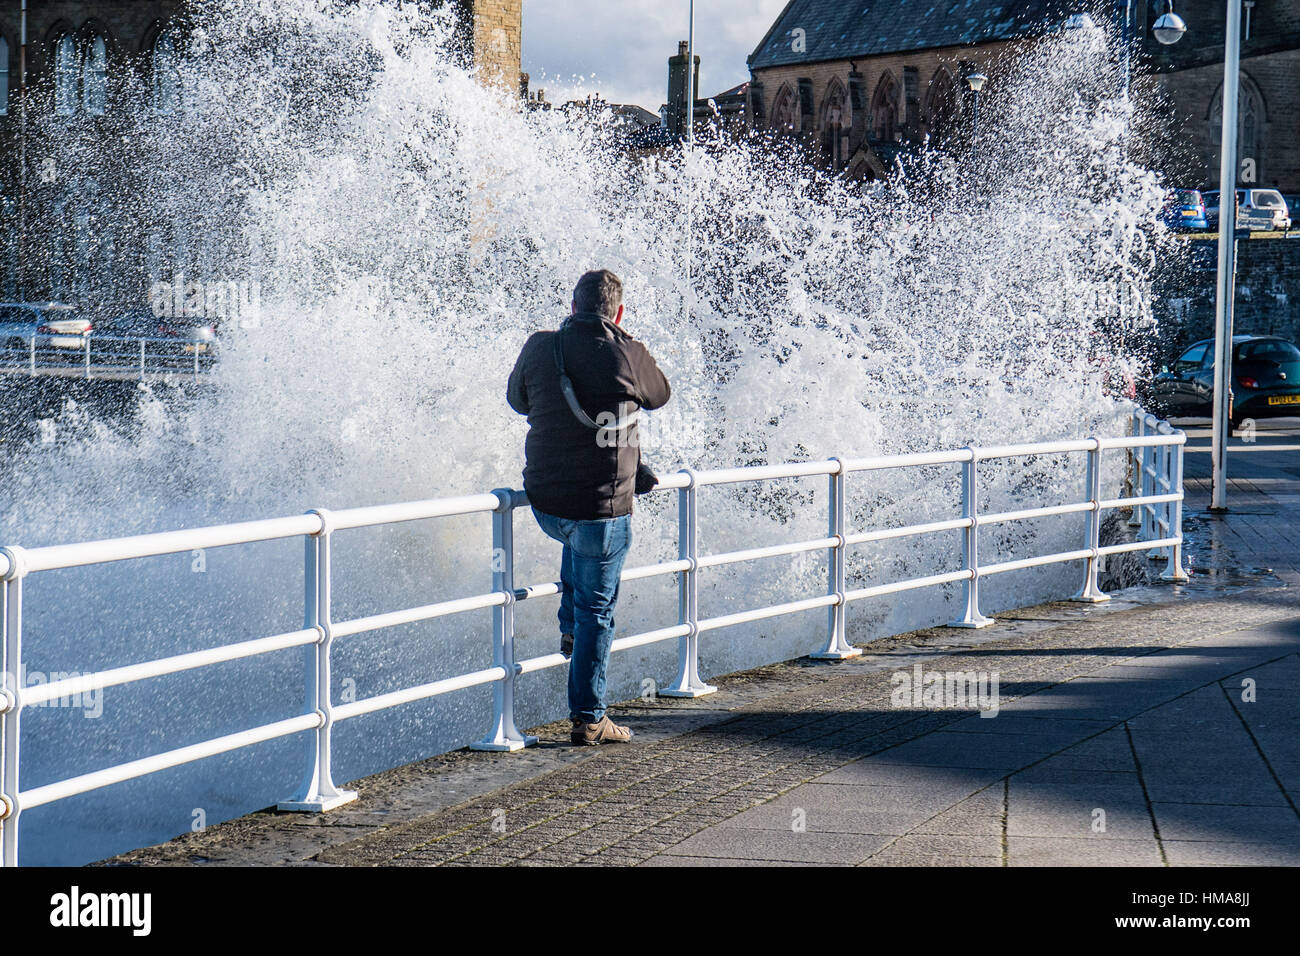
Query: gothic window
pixel 80 74
pixel 836 120
pixel 785 109
pixel 166 73
pixel 942 107
pixel 1250 128
pixel 884 110
pixel 94 78
pixel 66 74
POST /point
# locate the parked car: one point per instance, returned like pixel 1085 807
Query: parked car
pixel 140 323
pixel 1265 379
pixel 50 323
pixel 1185 209
pixel 1256 209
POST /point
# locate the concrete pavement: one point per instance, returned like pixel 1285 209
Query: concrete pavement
pixel 1158 729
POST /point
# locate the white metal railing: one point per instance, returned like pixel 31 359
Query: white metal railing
pixel 1156 475
pixel 103 355
pixel 1156 448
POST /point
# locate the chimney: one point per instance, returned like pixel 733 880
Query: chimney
pixel 677 79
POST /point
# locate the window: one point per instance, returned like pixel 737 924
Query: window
pixel 66 70
pixel 4 77
pixel 1250 125
pixel 1192 358
pixel 166 76
pixel 94 80
pixel 80 75
pixel 884 110
pixel 1268 350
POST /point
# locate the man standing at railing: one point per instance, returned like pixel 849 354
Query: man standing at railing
pixel 581 388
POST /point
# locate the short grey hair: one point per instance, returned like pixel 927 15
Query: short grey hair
pixel 599 291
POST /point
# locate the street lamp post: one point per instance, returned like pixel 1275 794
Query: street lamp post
pixel 1225 286
pixel 976 83
pixel 690 149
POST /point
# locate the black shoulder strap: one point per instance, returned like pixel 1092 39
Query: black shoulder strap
pixel 566 386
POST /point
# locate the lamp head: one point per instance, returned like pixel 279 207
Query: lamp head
pixel 1169 29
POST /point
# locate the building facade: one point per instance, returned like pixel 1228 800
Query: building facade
pixel 1191 73
pixel 857 86
pixel 56 238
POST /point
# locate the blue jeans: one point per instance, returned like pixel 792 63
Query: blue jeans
pixel 590 567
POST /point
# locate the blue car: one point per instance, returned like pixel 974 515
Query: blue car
pixel 1185 209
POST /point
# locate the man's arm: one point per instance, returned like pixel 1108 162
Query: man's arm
pixel 650 382
pixel 516 391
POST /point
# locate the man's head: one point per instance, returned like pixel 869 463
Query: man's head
pixel 600 292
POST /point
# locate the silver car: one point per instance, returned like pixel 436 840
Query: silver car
pixel 51 324
pixel 1255 208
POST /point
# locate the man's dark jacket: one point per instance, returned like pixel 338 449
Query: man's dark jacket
pixel 573 471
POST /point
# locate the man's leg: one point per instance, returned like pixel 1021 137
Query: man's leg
pixel 565 614
pixel 599 550
pixel 561 529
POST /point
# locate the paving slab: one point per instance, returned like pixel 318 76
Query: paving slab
pixel 1134 708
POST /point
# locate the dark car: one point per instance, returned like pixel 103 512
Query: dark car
pixel 1265 379
pixel 140 323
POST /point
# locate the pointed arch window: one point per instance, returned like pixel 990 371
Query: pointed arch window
pixel 784 115
pixel 67 70
pixel 1250 124
pixel 166 73
pixel 942 107
pixel 884 110
pixel 94 78
pixel 835 120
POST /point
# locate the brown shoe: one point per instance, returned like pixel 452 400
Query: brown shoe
pixel 604 731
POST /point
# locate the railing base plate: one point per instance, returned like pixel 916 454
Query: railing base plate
pixel 318 805
pixel 974 622
pixel 836 655
pixel 687 692
pixel 503 746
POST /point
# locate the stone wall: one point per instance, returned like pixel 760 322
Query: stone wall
pixel 1268 291
pixel 498 39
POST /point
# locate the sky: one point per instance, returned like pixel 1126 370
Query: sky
pixel 620 48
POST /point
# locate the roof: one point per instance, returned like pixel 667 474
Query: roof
pixel 848 29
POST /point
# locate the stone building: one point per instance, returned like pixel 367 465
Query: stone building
pixel 75 57
pixel 1191 72
pixel 857 86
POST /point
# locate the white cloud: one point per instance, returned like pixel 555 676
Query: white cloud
pixel 620 48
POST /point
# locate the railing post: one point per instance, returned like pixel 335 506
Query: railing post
pixel 1161 464
pixel 504 736
pixel 142 360
pixel 838 647
pixel 688 683
pixel 31 356
pixel 11 702
pixel 970 544
pixel 1135 469
pixel 1091 593
pixel 1175 570
pixel 318 792
pixel 87 338
pixel 1148 457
